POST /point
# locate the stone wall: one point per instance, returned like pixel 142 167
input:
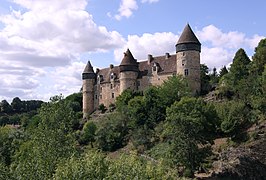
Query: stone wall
pixel 188 65
pixel 88 97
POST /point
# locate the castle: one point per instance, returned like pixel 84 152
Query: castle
pixel 104 85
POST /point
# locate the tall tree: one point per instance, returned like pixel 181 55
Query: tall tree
pixel 240 67
pixel 5 107
pixel 223 71
pixel 259 58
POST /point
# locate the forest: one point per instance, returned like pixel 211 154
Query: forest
pixel 165 132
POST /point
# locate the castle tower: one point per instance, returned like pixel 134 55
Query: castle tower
pixel 88 77
pixel 128 72
pixel 188 50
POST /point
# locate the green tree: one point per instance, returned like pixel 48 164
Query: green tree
pixel 89 131
pixel 259 58
pixel 185 129
pixel 204 79
pixel 112 132
pixel 48 144
pixel 17 105
pixel 92 165
pixel 223 71
pixel 5 107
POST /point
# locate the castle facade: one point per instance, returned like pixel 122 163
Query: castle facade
pixel 104 85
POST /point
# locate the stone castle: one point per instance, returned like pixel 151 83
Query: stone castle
pixel 104 85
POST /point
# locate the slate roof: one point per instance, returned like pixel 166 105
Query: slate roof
pixel 88 68
pixel 166 66
pixel 128 59
pixel 188 36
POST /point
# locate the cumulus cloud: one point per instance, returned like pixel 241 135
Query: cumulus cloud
pixel 46 34
pixel 155 44
pixel 229 40
pixel 126 9
pixel 218 47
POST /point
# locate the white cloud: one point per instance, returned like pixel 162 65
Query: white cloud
pixel 149 1
pixel 155 44
pixel 218 48
pixel 230 40
pixel 126 9
pixel 47 34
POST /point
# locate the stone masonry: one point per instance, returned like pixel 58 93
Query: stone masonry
pixel 104 85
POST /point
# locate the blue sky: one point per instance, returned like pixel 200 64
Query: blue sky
pixel 45 44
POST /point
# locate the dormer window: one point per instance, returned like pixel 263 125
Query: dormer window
pixel 112 75
pixel 99 78
pixel 154 68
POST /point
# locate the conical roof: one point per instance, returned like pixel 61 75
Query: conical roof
pixel 88 68
pixel 128 59
pixel 188 36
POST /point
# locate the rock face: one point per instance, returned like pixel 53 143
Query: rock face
pixel 247 162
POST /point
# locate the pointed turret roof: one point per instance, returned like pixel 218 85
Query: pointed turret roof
pixel 188 36
pixel 88 68
pixel 128 59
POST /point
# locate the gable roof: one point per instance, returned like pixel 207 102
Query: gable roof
pixel 166 66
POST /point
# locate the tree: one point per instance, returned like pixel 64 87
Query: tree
pixel 91 165
pixel 17 105
pixel 185 129
pixel 259 58
pixel 5 107
pixel 223 71
pixel 122 100
pixel 48 144
pixel 112 132
pixel 204 79
pixel 239 69
pixel 89 131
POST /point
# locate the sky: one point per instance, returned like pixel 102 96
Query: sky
pixel 45 44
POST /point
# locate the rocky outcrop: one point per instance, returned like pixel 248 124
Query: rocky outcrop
pixel 247 162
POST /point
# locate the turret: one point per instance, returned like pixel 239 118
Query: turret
pixel 188 50
pixel 88 77
pixel 128 72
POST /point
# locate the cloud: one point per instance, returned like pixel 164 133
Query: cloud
pixel 149 1
pixel 42 37
pixel 229 40
pixel 155 44
pixel 126 9
pixel 218 47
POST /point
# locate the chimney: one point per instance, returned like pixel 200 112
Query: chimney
pixel 97 70
pixel 167 55
pixel 149 59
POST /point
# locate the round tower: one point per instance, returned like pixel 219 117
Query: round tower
pixel 128 72
pixel 188 50
pixel 88 77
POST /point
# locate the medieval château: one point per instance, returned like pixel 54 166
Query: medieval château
pixel 104 85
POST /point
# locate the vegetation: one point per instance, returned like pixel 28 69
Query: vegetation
pixel 162 133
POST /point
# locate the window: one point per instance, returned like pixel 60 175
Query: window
pixel 183 62
pixel 112 75
pixel 186 72
pixel 111 86
pixel 96 96
pixel 101 96
pixel 113 95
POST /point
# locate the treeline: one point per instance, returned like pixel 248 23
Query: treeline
pixel 163 133
pixel 18 106
pixel 18 111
